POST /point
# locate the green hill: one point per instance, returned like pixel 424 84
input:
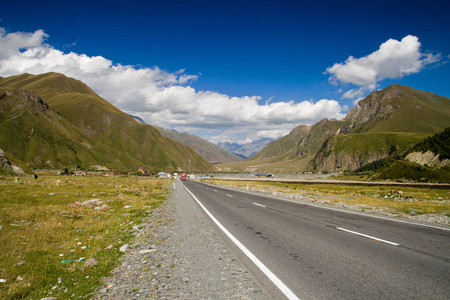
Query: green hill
pixel 427 161
pixel 99 133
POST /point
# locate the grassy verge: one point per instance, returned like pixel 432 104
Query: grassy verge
pixel 45 243
pixel 405 201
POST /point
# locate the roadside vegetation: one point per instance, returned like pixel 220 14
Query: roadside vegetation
pixel 409 201
pixel 51 227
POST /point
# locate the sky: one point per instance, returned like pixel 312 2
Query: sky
pixel 227 70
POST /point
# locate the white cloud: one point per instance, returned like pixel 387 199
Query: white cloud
pixel 394 59
pixel 162 98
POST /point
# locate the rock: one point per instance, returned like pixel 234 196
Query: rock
pixel 71 204
pixel 103 290
pixel 109 247
pixel 147 251
pixel 124 248
pixel 104 208
pixel 90 262
pixel 2 280
pixel 52 194
pixel 92 201
pixel 78 203
pixel 135 228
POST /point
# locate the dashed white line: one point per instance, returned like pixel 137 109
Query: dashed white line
pixel 368 236
pixel 259 204
pixel 283 288
pixel 229 195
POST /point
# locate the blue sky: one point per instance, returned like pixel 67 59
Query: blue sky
pixel 249 69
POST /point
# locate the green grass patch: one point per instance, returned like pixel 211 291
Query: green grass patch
pixel 45 242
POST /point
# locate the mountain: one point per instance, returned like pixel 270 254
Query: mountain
pixel 245 150
pixel 384 123
pixel 52 121
pixel 35 133
pixel 301 143
pixel 211 152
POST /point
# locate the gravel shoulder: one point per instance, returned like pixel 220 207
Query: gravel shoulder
pixel 178 254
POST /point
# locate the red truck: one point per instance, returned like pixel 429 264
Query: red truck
pixel 183 176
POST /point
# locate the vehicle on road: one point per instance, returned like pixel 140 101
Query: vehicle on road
pixel 263 175
pixel 183 176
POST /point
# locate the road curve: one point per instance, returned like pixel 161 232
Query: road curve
pixel 329 254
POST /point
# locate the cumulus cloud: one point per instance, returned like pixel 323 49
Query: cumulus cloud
pixel 163 98
pixel 394 59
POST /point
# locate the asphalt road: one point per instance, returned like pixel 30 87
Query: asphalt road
pixel 320 253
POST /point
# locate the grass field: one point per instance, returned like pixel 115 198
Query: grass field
pixel 405 201
pixel 45 243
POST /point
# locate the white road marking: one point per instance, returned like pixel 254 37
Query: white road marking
pixel 174 187
pixel 283 288
pixel 229 195
pixel 368 236
pixel 259 204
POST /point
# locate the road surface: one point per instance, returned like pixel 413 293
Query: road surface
pixel 319 253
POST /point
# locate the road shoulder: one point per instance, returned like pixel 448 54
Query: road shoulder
pixel 178 254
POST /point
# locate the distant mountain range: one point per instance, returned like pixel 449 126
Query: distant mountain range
pixel 52 121
pixel 246 150
pixel 387 121
pixel 208 150
pixel 221 153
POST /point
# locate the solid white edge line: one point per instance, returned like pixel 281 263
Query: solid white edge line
pixel 174 186
pixel 259 204
pixel 336 209
pixel 368 236
pixel 283 288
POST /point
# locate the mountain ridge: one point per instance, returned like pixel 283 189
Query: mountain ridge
pixel 132 145
pixel 390 120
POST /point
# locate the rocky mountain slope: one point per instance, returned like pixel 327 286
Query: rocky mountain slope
pixel 76 127
pixel 385 122
pixel 208 150
pixel 11 166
